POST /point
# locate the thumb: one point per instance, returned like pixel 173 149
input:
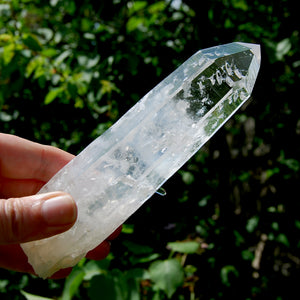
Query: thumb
pixel 35 217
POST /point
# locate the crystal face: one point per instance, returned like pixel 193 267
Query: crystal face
pixel 112 177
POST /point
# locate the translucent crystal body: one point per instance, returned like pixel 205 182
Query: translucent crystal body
pixel 120 170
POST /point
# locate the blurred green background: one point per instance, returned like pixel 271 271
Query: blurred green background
pixel 229 226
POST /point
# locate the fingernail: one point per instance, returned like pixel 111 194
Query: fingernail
pixel 59 210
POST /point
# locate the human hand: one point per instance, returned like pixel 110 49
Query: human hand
pixel 24 168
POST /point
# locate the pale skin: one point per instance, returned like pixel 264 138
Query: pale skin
pixel 25 167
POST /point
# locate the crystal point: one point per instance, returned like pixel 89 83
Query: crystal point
pixel 112 177
pixel 255 48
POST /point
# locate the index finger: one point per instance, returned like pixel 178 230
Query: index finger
pixel 23 159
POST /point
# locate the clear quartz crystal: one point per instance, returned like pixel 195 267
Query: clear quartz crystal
pixel 112 177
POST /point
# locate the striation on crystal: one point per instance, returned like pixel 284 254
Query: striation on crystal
pixel 113 176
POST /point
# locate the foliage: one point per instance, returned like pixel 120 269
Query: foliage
pixel 229 223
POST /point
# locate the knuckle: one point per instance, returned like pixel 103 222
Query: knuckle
pixel 11 220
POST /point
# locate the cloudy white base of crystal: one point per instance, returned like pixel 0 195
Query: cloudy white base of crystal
pixel 112 177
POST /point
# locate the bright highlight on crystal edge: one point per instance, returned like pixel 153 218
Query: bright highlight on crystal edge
pixel 113 176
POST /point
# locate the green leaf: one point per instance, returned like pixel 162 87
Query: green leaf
pixel 3 284
pixel 282 238
pixel 5 117
pixel 184 247
pixel 49 52
pixel 5 9
pixel 143 259
pixel 62 57
pixel 238 238
pixel 72 283
pixel 128 228
pixel 31 42
pixel 52 94
pixel 190 270
pixel 137 248
pixel 134 22
pixel 87 62
pixel 240 4
pixel 29 296
pixel 8 53
pixel 272 172
pixel 275 226
pixel 291 163
pixel 167 275
pixel 70 7
pixel 46 34
pixel 5 38
pixel 204 200
pixel 226 271
pixel 136 6
pixel 34 64
pixel 93 268
pixel 247 255
pixel 282 48
pixel 157 7
pixel 252 224
pixel 111 286
pixel 187 177
pixel 297 224
pixel 107 87
pixel 134 277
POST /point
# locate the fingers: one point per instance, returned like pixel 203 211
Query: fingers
pixel 23 159
pixel 115 234
pixel 13 258
pixel 36 217
pixel 61 273
pixel 19 187
pixel 102 250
